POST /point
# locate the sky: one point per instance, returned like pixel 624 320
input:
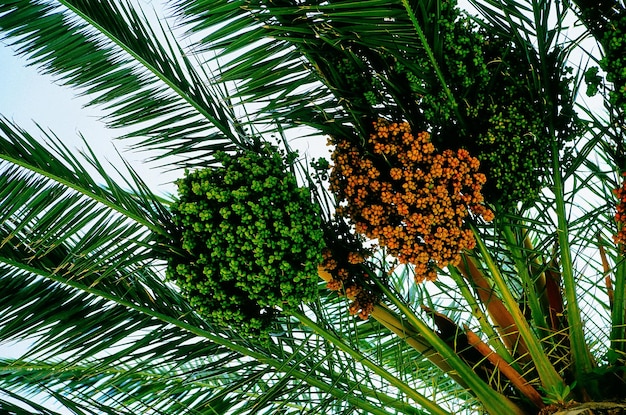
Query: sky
pixel 30 98
pixel 27 96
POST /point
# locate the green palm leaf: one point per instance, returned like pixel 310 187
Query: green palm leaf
pixel 306 42
pixel 79 279
pixel 20 405
pixel 129 65
pixel 82 243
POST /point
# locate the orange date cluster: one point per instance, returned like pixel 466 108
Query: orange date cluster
pixel 620 216
pixel 348 278
pixel 413 199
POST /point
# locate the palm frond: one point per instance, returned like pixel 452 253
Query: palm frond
pixel 172 388
pixel 61 165
pixel 80 280
pixel 18 404
pixel 130 66
pixel 323 49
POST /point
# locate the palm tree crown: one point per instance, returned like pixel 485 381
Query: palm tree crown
pixel 460 250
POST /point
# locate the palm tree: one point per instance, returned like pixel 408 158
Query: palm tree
pixel 499 180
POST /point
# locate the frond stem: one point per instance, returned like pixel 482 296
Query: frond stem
pixel 493 337
pixel 580 354
pixel 522 265
pixel 548 374
pixel 493 402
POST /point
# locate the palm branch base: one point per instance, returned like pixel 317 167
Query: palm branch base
pixel 588 408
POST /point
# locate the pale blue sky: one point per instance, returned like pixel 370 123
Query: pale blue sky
pixel 28 97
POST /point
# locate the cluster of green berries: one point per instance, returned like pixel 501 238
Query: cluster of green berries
pixel 614 61
pixel 358 83
pixel 251 241
pixel 460 54
pixel 489 104
pixel 503 124
pixel 512 144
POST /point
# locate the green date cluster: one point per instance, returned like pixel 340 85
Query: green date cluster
pixel 495 114
pixel 474 90
pixel 251 241
pixel 508 126
pixel 614 61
